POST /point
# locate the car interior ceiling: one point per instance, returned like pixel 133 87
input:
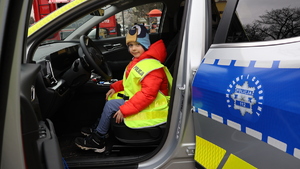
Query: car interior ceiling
pixel 67 129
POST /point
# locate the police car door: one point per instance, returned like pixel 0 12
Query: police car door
pixel 246 90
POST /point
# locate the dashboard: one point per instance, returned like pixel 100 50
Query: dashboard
pixel 60 55
pixel 63 59
pixel 62 71
pixel 61 62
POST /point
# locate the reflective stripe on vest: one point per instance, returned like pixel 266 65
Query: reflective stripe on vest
pixel 156 113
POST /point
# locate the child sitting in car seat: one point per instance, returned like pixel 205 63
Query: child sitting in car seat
pixel 141 98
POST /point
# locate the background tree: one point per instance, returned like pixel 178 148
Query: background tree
pixel 145 9
pixel 275 24
pixel 136 14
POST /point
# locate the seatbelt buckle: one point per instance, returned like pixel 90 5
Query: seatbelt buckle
pixel 123 96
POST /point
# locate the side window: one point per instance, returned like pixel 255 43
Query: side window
pixel 262 20
pixel 148 14
pixel 269 20
pixel 217 8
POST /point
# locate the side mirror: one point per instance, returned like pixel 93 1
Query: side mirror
pixel 99 12
pixel 103 33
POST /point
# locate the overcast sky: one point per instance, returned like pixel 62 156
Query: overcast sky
pixel 249 10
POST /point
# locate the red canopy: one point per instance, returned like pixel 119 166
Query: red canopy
pixel 154 13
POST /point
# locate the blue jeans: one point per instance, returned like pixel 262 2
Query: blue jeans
pixel 109 109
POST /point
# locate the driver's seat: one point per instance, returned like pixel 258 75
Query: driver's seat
pixel 151 135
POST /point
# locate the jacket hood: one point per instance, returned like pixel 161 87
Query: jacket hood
pixel 157 51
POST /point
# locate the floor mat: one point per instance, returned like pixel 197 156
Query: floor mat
pixel 71 152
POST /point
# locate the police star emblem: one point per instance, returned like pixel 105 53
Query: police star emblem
pixel 245 95
pixel 243 98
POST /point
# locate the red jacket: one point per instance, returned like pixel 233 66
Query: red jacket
pixel 152 83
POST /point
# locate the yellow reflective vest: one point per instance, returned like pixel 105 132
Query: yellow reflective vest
pixel 156 113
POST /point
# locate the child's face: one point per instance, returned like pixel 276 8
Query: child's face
pixel 135 49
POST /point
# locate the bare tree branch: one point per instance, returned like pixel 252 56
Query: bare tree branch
pixel 275 24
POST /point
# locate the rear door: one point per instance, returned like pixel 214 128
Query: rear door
pixel 246 90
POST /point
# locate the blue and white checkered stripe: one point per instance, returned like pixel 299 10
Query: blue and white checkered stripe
pixel 258 63
pixel 266 70
pixel 254 133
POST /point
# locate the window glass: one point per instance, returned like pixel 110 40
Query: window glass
pixel 149 15
pixel 116 25
pixel 40 9
pixel 264 20
pixel 66 31
pixel 217 11
pixel 270 19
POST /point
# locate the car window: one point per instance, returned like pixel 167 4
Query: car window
pixel 66 31
pixel 262 20
pixel 118 25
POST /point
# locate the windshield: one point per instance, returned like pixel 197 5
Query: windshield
pixel 66 31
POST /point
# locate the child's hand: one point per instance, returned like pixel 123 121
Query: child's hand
pixel 119 116
pixel 110 93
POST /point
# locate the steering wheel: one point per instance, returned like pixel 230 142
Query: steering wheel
pixel 93 57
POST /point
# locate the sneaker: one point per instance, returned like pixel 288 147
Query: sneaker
pixel 94 141
pixel 87 131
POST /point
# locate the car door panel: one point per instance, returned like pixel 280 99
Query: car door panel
pixel 29 117
pixel 39 138
pixel 251 91
pixel 244 94
pixel 115 53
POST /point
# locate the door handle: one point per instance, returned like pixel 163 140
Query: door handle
pixel 117 45
pixel 112 46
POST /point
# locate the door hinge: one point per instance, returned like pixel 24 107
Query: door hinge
pixel 190 151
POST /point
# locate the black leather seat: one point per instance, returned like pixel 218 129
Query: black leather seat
pixel 173 44
pixel 145 136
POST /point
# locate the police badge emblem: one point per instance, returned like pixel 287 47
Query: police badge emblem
pixel 245 97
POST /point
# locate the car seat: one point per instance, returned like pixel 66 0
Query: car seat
pixel 173 44
pixel 151 135
pixel 145 136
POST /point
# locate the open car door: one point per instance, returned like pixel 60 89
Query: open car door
pixel 246 101
pixel 26 140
